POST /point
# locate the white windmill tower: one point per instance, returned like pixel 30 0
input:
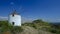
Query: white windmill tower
pixel 15 18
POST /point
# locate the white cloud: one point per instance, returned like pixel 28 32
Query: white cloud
pixel 23 19
pixel 3 18
pixel 26 19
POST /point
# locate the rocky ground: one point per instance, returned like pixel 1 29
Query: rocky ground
pixel 30 30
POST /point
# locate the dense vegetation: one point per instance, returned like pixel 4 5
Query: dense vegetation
pixel 5 26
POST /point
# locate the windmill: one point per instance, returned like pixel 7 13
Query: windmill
pixel 15 18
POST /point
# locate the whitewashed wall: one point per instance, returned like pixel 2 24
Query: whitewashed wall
pixel 16 19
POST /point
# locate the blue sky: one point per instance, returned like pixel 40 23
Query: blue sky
pixel 48 10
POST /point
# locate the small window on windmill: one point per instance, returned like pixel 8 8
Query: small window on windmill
pixel 13 15
pixel 13 23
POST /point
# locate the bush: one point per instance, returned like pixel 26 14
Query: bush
pixel 5 26
pixel 16 29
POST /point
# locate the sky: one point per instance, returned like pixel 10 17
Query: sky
pixel 47 10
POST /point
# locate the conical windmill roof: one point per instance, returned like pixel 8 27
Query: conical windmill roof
pixel 14 13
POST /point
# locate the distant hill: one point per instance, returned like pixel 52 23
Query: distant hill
pixel 55 23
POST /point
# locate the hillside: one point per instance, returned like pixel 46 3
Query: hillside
pixel 30 30
pixel 36 27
